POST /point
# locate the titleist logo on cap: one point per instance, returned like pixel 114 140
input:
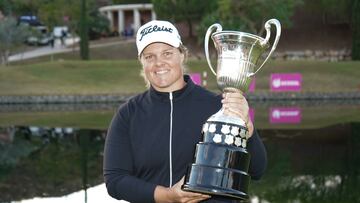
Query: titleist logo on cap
pixel 151 29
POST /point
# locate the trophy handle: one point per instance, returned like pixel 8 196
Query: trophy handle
pixel 268 32
pixel 206 46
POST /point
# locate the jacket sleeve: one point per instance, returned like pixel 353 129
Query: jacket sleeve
pixel 258 156
pixel 118 162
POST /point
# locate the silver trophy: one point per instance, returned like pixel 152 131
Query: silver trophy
pixel 221 159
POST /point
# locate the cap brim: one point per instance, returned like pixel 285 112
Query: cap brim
pixel 159 37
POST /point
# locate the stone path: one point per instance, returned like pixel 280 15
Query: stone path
pixel 58 48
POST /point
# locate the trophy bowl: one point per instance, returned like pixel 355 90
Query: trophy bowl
pixel 221 161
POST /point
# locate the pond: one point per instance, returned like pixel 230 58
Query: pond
pixel 53 153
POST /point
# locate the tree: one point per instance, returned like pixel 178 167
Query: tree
pixel 5 7
pixel 130 1
pixel 347 11
pixel 26 7
pixel 328 8
pixel 189 11
pixel 59 12
pixel 355 25
pixel 98 25
pixel 249 15
pixel 12 36
pixel 84 37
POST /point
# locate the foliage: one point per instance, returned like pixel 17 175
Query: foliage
pixel 188 11
pixel 356 30
pixel 11 154
pixel 25 7
pixel 130 1
pixel 249 15
pixel 60 13
pixel 345 11
pixel 340 9
pixel 5 7
pixel 12 36
pixel 57 12
pixel 98 25
pixel 47 160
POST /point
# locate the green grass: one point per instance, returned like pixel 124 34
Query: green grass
pixel 312 116
pixel 122 77
pixel 318 76
pixel 72 77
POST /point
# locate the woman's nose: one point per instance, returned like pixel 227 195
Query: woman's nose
pixel 159 61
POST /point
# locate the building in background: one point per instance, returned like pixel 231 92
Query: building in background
pixel 126 19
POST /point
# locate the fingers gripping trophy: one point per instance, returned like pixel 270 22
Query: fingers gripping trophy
pixel 221 160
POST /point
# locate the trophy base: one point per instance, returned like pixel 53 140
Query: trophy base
pixel 215 191
pixel 217 181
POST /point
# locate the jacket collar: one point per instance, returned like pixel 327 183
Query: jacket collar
pixel 178 94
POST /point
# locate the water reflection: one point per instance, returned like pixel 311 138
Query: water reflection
pixel 313 165
pixel 316 160
pixel 48 162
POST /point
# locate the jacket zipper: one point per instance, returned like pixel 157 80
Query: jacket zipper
pixel 170 140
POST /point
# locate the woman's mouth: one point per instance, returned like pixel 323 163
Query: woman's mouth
pixel 161 72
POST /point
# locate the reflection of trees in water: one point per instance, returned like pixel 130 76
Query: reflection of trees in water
pixel 309 189
pixel 315 165
pixel 11 149
pixel 55 163
pixel 320 165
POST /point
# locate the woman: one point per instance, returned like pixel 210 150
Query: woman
pixel 152 137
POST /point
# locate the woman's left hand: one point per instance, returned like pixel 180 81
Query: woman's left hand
pixel 235 104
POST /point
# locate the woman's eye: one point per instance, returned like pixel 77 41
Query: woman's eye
pixel 168 53
pixel 148 57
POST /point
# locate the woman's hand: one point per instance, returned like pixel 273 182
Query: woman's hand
pixel 235 104
pixel 175 194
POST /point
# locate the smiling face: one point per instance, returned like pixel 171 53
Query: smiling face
pixel 162 66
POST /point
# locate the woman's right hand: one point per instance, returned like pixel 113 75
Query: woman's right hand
pixel 176 194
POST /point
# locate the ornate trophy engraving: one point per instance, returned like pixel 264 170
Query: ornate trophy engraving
pixel 221 161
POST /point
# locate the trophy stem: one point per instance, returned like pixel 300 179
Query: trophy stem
pixel 230 119
pixel 232 89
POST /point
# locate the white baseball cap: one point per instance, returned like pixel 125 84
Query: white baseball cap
pixel 157 31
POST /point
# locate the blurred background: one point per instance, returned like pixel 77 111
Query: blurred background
pixel 67 65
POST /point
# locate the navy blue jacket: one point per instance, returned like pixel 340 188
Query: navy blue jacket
pixel 136 157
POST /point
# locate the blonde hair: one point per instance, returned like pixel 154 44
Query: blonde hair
pixel 183 50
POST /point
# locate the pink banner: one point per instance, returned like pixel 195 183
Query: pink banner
pixel 285 82
pixel 252 85
pixel 196 78
pixel 285 115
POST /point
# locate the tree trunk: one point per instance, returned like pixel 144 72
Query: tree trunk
pixel 190 28
pixel 84 38
pixel 4 58
pixel 355 21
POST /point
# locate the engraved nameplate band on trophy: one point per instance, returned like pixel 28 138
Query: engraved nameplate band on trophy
pixel 221 161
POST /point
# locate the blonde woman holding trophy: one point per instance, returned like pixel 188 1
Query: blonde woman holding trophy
pixel 152 137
